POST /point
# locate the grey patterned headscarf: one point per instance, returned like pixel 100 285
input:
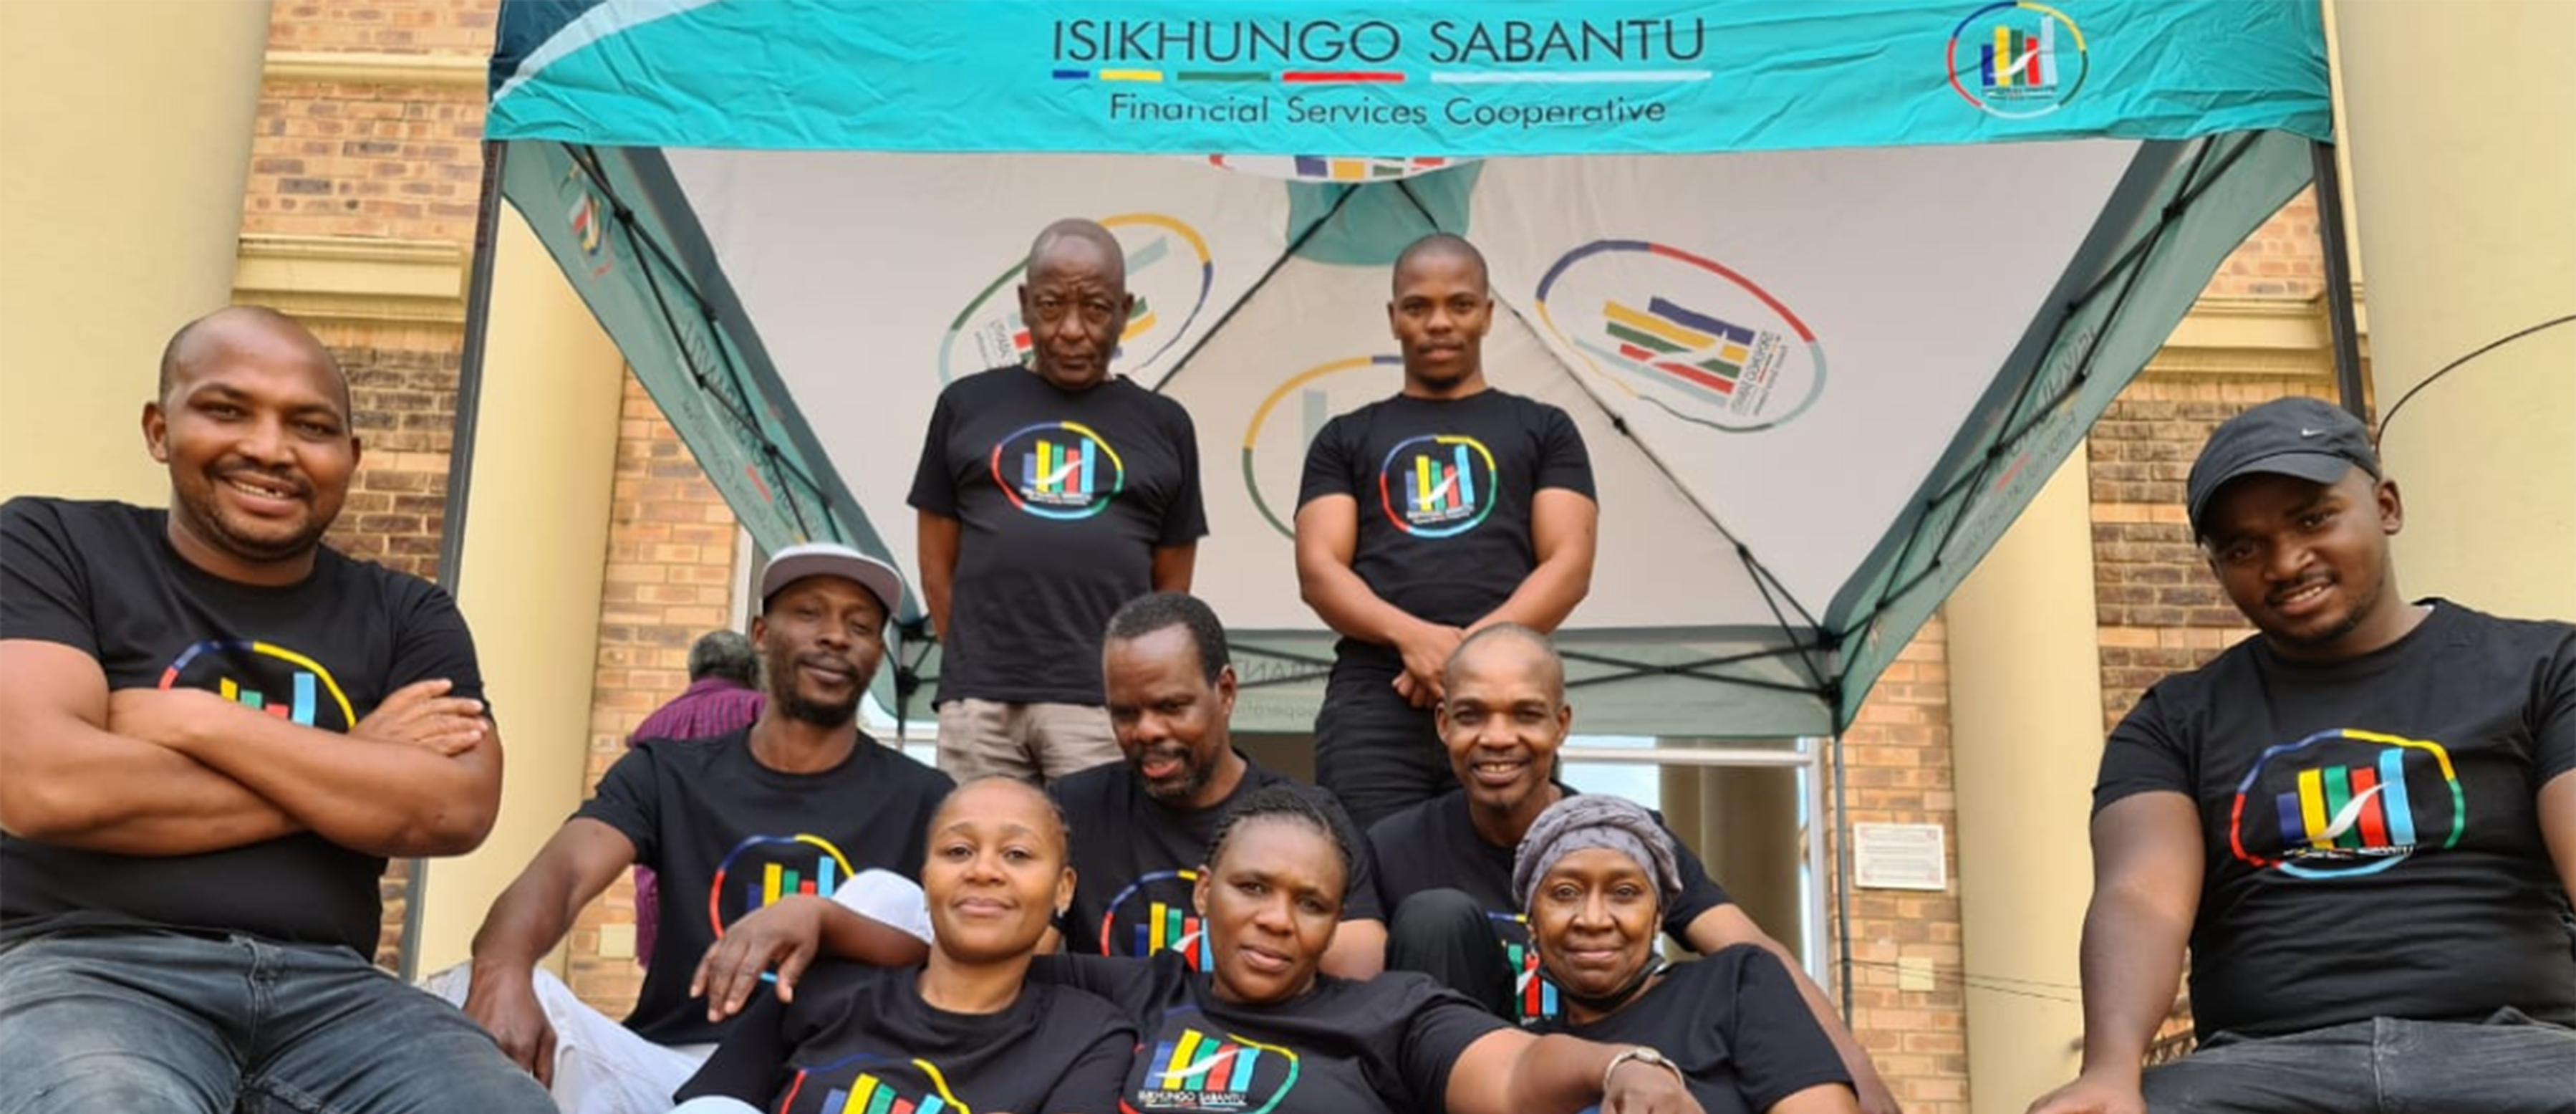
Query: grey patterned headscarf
pixel 1580 823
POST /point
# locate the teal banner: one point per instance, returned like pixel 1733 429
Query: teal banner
pixel 1423 80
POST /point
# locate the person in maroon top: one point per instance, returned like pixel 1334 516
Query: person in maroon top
pixel 723 697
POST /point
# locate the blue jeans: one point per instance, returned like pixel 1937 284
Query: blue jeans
pixel 96 1020
pixel 2511 1064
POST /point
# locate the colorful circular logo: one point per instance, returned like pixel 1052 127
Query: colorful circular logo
pixel 1438 485
pixel 877 1084
pixel 1683 333
pixel 1156 913
pixel 2343 803
pixel 762 869
pixel 1332 168
pixel 1059 470
pixel 1169 271
pixel 1285 426
pixel 268 677
pixel 2017 59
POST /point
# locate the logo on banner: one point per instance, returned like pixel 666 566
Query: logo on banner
pixel 1155 913
pixel 1330 168
pixel 2345 802
pixel 2017 59
pixel 1438 485
pixel 1683 333
pixel 1191 1069
pixel 762 869
pixel 1285 425
pixel 867 1084
pixel 589 227
pixel 1059 470
pixel 1169 271
pixel 268 677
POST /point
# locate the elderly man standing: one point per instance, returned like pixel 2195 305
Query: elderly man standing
pixel 1049 495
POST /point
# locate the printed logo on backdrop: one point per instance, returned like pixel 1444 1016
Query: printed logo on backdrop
pixel 1275 443
pixel 1058 470
pixel 1188 1068
pixel 1169 271
pixel 2017 59
pixel 1157 913
pixel 2344 803
pixel 266 677
pixel 587 220
pixel 869 1084
pixel 1331 168
pixel 1683 333
pixel 764 868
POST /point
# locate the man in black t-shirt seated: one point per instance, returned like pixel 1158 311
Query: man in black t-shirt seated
pixel 801 802
pixel 1448 507
pixel 1141 825
pixel 214 730
pixel 2362 822
pixel 1445 866
pixel 1049 494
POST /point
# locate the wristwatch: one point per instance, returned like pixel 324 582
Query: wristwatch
pixel 1643 1055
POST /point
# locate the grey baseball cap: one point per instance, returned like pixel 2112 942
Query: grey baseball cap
pixel 796 562
pixel 2311 439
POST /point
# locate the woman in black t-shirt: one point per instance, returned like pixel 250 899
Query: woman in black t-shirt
pixel 965 1032
pixel 1593 875
pixel 1265 1032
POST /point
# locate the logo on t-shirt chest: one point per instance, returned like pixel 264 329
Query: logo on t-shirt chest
pixel 1438 485
pixel 1154 913
pixel 1188 1069
pixel 1058 470
pixel 264 676
pixel 764 868
pixel 2344 802
pixel 866 1084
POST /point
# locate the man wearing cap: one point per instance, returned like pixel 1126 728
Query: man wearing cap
pixel 799 802
pixel 2361 822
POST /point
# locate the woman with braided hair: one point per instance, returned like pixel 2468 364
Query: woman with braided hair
pixel 1593 875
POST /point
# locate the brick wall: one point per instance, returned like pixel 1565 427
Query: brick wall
pixel 2280 260
pixel 1897 757
pixel 404 161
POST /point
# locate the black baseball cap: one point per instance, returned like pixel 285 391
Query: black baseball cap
pixel 2308 438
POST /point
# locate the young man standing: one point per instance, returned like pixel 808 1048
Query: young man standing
pixel 1449 507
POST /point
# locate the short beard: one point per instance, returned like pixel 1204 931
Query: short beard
pixel 816 712
pixel 1200 774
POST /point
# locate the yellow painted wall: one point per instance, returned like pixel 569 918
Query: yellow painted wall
pixel 124 143
pixel 536 539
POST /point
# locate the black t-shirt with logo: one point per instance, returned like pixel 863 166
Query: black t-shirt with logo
pixel 862 1039
pixel 1061 499
pixel 1435 846
pixel 2371 827
pixel 728 835
pixel 1735 1025
pixel 102 578
pixel 1386 1044
pixel 1136 859
pixel 1444 490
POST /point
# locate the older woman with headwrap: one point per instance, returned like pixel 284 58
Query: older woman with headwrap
pixel 1593 875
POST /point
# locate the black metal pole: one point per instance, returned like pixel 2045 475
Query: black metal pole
pixel 1842 830
pixel 2341 322
pixel 460 462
